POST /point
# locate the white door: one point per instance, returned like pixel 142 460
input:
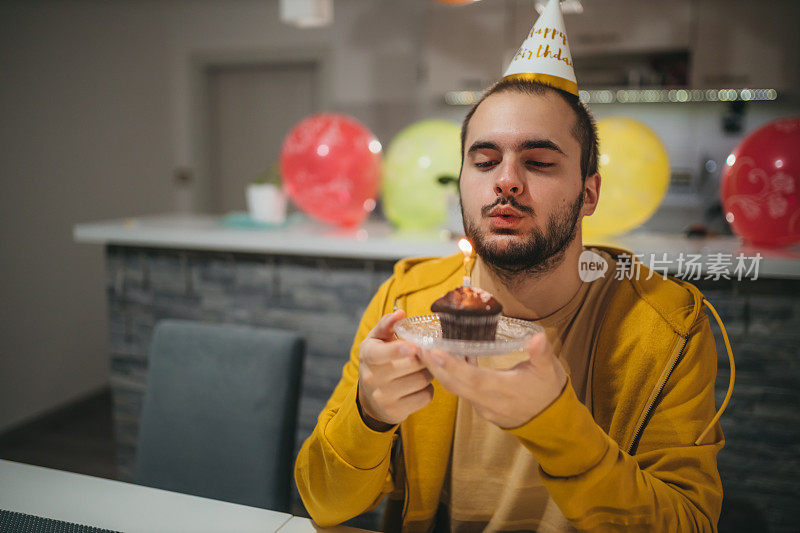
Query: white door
pixel 251 109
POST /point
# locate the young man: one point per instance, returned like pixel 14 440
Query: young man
pixel 595 427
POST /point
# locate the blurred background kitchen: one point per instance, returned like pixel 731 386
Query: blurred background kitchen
pixel 130 131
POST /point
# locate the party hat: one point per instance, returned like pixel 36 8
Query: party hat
pixel 544 55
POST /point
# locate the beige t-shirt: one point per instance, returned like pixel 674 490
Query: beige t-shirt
pixel 493 481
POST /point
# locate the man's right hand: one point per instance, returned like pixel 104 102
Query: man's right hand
pixel 392 381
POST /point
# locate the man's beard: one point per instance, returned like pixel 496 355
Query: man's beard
pixel 534 256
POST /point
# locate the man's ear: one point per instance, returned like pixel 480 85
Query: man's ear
pixel 591 194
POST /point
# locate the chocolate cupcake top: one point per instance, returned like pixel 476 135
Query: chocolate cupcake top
pixel 467 301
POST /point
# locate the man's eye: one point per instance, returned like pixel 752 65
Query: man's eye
pixel 539 164
pixel 484 164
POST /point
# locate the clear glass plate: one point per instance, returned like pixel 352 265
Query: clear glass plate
pixel 426 332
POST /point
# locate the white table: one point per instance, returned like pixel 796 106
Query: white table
pixel 131 508
pixel 298 524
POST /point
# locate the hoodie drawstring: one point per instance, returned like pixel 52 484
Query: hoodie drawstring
pixel 733 375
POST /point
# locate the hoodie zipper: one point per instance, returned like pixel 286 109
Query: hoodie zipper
pixel 401 464
pixel 654 397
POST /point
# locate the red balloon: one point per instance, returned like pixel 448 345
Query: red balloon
pixel 331 166
pixel 761 185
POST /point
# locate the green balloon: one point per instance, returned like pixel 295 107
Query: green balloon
pixel 413 197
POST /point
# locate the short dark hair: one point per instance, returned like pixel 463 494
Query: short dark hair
pixel 584 130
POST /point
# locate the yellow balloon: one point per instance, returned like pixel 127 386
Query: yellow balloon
pixel 634 171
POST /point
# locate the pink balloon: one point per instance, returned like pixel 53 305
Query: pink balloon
pixel 331 166
pixel 761 185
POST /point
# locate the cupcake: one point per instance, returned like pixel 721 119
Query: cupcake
pixel 468 313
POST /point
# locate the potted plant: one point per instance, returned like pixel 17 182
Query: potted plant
pixel 266 200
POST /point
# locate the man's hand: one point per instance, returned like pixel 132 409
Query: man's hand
pixel 507 398
pixel 392 381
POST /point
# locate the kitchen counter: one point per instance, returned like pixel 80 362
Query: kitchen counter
pixel 379 241
pixel 299 236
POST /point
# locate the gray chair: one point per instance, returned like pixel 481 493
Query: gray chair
pixel 220 412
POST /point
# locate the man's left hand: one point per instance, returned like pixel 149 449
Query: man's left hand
pixel 507 398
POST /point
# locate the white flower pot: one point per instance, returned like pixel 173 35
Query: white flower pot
pixel 266 203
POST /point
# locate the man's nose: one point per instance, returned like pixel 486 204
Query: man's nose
pixel 508 182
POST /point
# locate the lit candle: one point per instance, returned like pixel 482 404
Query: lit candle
pixel 466 249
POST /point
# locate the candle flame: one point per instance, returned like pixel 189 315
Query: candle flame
pixel 465 247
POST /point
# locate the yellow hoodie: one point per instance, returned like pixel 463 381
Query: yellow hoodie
pixel 632 463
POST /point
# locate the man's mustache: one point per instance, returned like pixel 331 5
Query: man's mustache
pixel 510 200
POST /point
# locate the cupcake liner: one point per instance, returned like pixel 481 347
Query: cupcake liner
pixel 468 327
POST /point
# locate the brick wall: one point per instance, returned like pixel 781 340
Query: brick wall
pixel 324 299
pixel 760 464
pixel 321 298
